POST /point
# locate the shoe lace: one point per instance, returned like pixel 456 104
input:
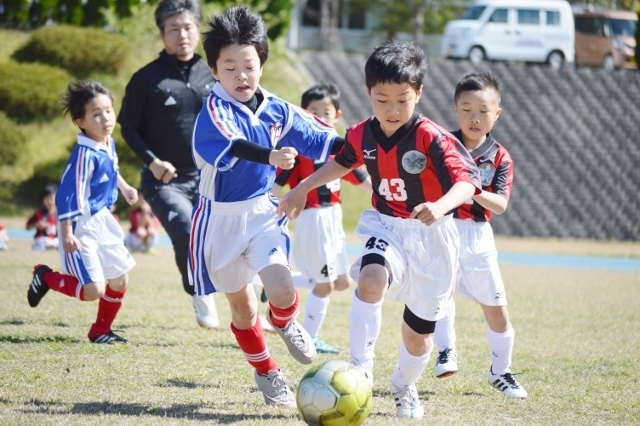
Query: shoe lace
pixel 443 357
pixel 408 397
pixel 511 381
pixel 279 385
pixel 294 334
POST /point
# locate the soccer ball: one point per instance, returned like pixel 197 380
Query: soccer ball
pixel 334 393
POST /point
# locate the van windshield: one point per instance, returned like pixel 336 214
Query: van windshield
pixel 473 13
pixel 623 27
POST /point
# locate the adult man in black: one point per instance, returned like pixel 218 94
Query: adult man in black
pixel 158 113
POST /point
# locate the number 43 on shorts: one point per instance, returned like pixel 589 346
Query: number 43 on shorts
pixel 376 243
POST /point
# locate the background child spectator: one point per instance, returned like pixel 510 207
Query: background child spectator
pixel 45 221
pixel 4 237
pixel 144 229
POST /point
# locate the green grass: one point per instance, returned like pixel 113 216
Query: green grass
pixel 575 353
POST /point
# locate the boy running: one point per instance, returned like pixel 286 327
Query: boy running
pixel 477 106
pixel 419 173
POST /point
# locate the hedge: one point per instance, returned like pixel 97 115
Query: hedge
pixel 12 141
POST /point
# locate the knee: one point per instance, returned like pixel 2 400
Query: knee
pixel 372 283
pixel 323 290
pixel 93 291
pixel 342 283
pixel 119 284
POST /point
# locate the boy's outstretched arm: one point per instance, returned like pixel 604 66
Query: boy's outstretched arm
pixel 293 201
pixel 128 192
pixel 428 213
pixel 494 202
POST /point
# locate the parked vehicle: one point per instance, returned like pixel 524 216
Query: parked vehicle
pixel 513 30
pixel 606 39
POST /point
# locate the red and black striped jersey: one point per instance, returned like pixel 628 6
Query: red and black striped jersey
pixel 325 195
pixel 419 163
pixel 51 231
pixel 496 174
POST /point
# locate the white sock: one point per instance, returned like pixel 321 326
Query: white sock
pixel 409 367
pixel 300 281
pixel 445 334
pixel 365 321
pixel 501 345
pixel 315 312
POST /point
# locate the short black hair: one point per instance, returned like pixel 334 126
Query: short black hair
pixel 49 189
pixel 168 8
pixel 79 93
pixel 321 91
pixel 236 25
pixel 477 80
pixel 396 62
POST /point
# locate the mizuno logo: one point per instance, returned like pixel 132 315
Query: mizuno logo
pixel 368 153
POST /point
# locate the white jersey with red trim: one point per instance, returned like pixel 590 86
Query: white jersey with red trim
pixel 223 120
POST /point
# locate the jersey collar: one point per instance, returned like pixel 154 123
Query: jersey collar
pixel 88 142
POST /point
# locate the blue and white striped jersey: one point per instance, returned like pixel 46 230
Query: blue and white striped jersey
pixel 90 179
pixel 223 120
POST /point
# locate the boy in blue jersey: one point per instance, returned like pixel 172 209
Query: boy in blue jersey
pixel 236 231
pixel 94 259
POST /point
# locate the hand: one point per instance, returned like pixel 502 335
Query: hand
pixel 284 158
pixel 428 213
pixel 70 243
pixel 130 194
pixel 292 203
pixel 162 170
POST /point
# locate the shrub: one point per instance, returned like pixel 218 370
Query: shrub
pixel 80 51
pixel 30 91
pixel 12 141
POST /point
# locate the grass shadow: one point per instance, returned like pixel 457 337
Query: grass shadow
pixel 188 384
pixel 41 339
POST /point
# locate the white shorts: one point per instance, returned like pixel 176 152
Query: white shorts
pixel 232 242
pixel 44 243
pixel 422 259
pixel 135 243
pixel 103 255
pixel 479 275
pixel 319 248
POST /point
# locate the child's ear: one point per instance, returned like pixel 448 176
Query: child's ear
pixel 338 114
pixel 79 122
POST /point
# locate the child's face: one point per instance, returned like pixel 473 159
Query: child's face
pixel 99 118
pixel 181 35
pixel 324 109
pixel 393 104
pixel 49 201
pixel 238 70
pixel 477 112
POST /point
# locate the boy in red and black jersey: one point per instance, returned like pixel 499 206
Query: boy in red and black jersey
pixel 45 221
pixel 320 252
pixel 477 106
pixel 419 174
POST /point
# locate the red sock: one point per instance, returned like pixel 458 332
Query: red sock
pixel 65 284
pixel 254 347
pixel 281 317
pixel 108 308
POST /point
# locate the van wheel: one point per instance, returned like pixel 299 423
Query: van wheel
pixel 555 60
pixel 609 64
pixel 476 55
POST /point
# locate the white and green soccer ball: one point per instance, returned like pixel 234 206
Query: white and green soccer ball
pixel 334 393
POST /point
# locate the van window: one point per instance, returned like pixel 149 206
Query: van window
pixel 589 25
pixel 553 17
pixel 499 15
pixel 528 16
pixel 623 27
pixel 473 13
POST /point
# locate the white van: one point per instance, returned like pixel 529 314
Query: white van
pixel 513 30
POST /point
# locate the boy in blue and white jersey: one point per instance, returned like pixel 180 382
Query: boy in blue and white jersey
pixel 236 231
pixel 94 259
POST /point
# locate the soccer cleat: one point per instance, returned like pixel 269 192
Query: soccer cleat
pixel 366 370
pixel 323 347
pixel 446 364
pixel 38 287
pixel 206 313
pixel 264 324
pixel 275 390
pixel 109 338
pixel 407 402
pixel 508 384
pixel 297 339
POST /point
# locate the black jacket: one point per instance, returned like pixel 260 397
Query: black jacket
pixel 159 109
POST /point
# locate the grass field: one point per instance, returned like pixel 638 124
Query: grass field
pixel 576 352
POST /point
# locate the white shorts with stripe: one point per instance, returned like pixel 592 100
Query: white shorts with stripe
pixel 479 276
pixel 319 245
pixel 422 259
pixel 103 255
pixel 231 242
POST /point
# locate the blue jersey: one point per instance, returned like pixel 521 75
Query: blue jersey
pixel 223 120
pixel 90 179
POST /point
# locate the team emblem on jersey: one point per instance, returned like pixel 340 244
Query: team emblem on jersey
pixel 414 162
pixel 487 172
pixel 369 154
pixel 274 132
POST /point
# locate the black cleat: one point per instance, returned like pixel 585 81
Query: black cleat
pixel 109 338
pixel 38 287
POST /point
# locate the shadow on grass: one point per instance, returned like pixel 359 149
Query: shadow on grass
pixel 41 339
pixel 176 411
pixel 188 384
